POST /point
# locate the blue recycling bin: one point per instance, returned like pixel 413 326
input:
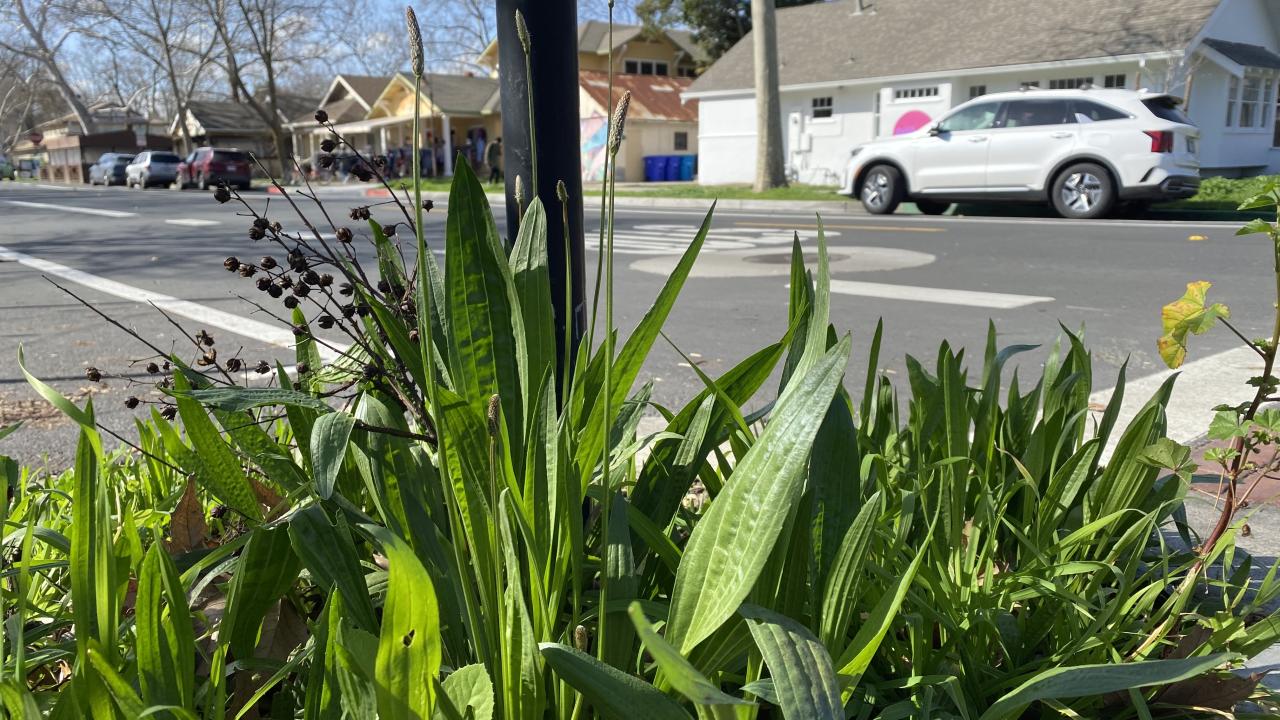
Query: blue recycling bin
pixel 672 172
pixel 686 167
pixel 655 168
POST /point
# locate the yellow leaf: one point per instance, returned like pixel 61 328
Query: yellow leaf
pixel 1187 314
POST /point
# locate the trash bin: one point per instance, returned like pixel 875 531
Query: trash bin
pixel 686 167
pixel 672 172
pixel 655 168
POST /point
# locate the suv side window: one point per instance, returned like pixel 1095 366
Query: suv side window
pixel 1085 111
pixel 975 117
pixel 1039 111
pixel 142 158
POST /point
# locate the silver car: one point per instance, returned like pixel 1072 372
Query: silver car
pixel 152 167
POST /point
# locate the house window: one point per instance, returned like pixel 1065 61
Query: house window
pixel 1250 105
pixel 681 140
pixel 1233 91
pixel 822 107
pixel 631 67
pixel 1027 84
pixel 977 91
pixel 913 93
pixel 1069 83
pixel 1114 81
pixel 660 68
pixel 686 71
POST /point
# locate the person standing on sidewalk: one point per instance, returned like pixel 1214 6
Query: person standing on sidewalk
pixel 494 160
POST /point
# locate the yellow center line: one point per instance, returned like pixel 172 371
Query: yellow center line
pixel 814 226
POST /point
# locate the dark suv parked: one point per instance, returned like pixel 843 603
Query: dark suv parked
pixel 206 166
pixel 109 170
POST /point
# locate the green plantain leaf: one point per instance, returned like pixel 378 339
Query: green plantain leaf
pixel 223 475
pixel 68 408
pixel 329 438
pixel 1091 680
pixel 800 666
pixel 613 693
pixel 409 643
pixel 678 671
pixel 330 554
pixel 482 308
pixel 469 689
pixel 266 570
pixel 533 290
pixel 166 667
pixel 731 544
pixel 237 399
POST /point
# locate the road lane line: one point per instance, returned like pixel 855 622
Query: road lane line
pixel 193 222
pixel 54 187
pixel 1201 385
pixel 971 298
pixel 814 226
pixel 254 329
pixel 73 209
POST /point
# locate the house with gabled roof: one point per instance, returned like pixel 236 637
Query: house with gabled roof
pixel 854 70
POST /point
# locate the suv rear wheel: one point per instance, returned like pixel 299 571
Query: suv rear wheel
pixel 881 190
pixel 1083 191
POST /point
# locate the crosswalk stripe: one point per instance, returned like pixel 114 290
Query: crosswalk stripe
pixel 970 298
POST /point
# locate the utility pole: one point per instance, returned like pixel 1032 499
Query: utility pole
pixel 769 170
pixel 553 32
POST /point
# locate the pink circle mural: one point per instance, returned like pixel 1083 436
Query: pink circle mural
pixel 910 121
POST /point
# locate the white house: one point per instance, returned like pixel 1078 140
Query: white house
pixel 854 70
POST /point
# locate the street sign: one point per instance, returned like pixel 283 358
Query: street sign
pixel 35 136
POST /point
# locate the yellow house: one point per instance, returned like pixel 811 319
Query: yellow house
pixel 460 113
pixel 665 53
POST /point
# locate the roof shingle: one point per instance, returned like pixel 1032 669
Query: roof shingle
pixel 1244 53
pixel 653 97
pixel 831 41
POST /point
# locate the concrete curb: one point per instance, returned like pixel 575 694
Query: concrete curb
pixel 841 207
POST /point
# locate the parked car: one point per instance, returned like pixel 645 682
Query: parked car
pixel 27 168
pixel 207 165
pixel 1083 151
pixel 7 171
pixel 152 167
pixel 109 170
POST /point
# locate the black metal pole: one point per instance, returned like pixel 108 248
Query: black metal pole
pixel 553 31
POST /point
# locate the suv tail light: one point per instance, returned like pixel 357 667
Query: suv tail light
pixel 1161 140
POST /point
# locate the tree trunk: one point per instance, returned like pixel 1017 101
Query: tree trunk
pixel 769 169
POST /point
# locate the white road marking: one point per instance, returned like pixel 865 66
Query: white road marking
pixel 1201 385
pixel 193 222
pixel 211 317
pixel 73 209
pixel 971 298
pixel 54 187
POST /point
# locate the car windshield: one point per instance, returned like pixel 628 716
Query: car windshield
pixel 123 159
pixel 229 156
pixel 164 157
pixel 1166 108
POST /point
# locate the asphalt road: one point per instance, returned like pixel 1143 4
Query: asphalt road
pixel 928 278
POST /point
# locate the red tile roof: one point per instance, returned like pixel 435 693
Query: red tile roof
pixel 653 97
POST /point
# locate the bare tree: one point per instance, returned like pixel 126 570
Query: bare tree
pixel 458 32
pixel 260 39
pixel 170 36
pixel 44 29
pixel 769 168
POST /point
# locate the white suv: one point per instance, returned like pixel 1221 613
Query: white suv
pixel 1081 150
